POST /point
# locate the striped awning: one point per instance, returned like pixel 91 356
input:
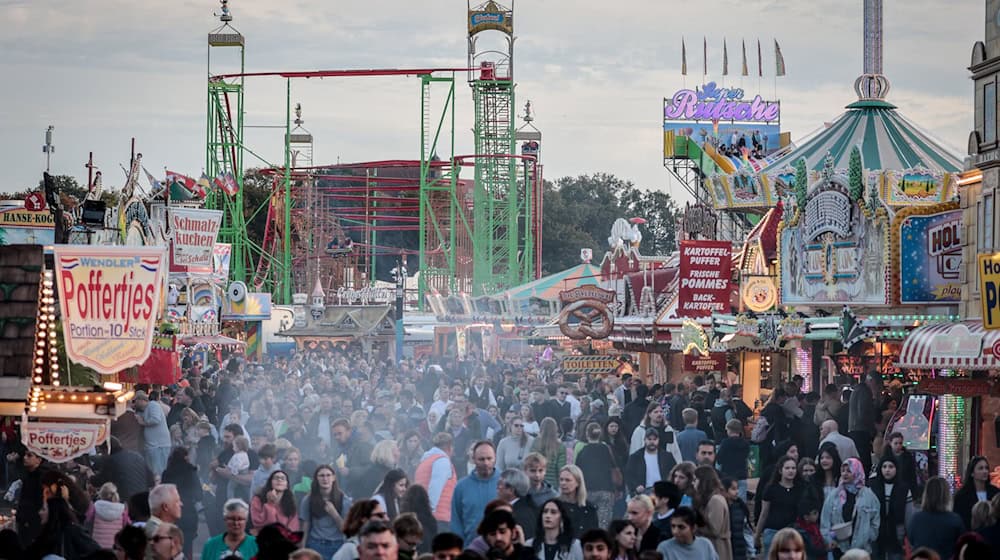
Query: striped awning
pixel 963 345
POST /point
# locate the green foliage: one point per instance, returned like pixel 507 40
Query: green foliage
pixel 855 176
pixel 801 183
pixel 578 213
pixel 256 197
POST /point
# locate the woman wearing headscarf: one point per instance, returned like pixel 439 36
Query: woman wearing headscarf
pixel 896 501
pixel 850 517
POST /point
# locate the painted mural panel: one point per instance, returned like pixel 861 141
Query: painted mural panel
pixel 834 253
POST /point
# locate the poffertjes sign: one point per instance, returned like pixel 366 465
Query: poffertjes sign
pixel 109 298
pixel 60 442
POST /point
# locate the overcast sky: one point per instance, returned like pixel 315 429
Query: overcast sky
pixel 103 71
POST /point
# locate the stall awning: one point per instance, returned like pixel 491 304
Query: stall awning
pixel 210 339
pixel 963 345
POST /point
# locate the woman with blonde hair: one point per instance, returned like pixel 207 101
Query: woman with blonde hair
pixel 935 526
pixel 106 516
pixel 787 544
pixel 573 493
pixel 551 447
pixel 384 457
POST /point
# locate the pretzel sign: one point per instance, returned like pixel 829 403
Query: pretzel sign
pixel 594 318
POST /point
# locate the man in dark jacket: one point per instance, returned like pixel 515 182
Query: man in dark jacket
pixel 634 411
pixel 637 477
pixel 513 487
pixel 861 422
pixel 127 469
pixel 29 503
pixel 357 455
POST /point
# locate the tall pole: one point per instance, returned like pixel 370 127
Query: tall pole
pixel 286 261
pixel 400 288
pixel 48 148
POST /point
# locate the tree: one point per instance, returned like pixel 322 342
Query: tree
pixel 801 184
pixel 855 176
pixel 578 213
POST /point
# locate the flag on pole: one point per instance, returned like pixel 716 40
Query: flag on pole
pixel 204 182
pixel 779 60
pixel 684 59
pixel 704 56
pixel 760 61
pixel 153 183
pixel 227 182
pixel 745 70
pixel 725 58
pixel 174 177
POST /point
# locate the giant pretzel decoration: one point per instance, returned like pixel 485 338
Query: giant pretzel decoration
pixel 589 312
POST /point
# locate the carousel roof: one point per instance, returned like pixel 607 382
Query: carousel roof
pixel 548 287
pixel 887 140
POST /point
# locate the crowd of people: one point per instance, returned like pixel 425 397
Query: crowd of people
pixel 328 455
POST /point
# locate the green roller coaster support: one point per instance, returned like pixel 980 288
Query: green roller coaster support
pixel 499 204
pixel 443 220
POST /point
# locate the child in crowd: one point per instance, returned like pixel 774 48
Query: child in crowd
pixel 739 521
pixel 807 525
pixel 732 457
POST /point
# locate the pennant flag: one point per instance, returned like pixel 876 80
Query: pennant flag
pixel 725 59
pixel 704 57
pixel 779 60
pixel 684 59
pixel 745 70
pixel 153 183
pixel 760 61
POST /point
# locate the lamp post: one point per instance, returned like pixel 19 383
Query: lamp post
pixel 48 149
pixel 400 287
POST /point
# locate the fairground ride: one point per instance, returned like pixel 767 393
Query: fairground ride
pixel 327 222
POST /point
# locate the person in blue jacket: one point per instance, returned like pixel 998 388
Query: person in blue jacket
pixel 473 492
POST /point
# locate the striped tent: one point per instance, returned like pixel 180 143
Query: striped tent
pixel 548 287
pixel 888 141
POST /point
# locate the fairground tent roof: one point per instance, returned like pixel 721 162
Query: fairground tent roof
pixel 548 287
pixel 886 138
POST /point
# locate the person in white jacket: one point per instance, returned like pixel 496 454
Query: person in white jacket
pixel 655 419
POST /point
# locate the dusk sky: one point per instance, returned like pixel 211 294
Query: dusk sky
pixel 103 71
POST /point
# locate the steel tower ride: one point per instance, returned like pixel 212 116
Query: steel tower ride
pixel 224 150
pixel 501 206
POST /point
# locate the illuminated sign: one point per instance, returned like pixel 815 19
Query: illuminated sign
pixel 109 298
pixel 705 285
pixel 930 255
pixel 711 103
pixel 759 293
pixel 492 17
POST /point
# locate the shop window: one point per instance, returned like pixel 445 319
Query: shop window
pixel 990 113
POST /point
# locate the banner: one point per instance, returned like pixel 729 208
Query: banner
pixel 20 226
pixel 705 278
pixel 109 298
pixel 194 231
pixel 60 442
pixel 930 257
pixel 221 255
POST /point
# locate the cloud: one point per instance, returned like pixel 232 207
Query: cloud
pixel 103 71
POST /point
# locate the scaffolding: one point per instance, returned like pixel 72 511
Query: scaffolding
pixel 502 206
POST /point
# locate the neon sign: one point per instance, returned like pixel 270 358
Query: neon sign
pixel 711 103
